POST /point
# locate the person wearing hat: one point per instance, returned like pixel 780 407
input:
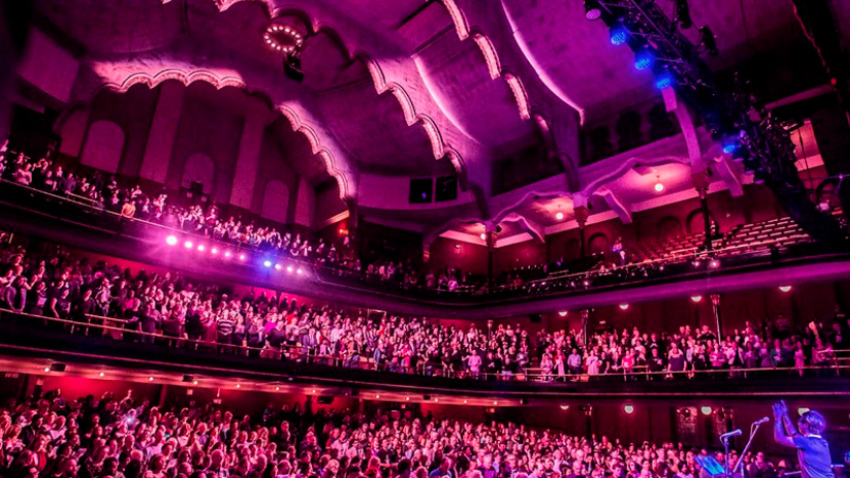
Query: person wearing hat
pixel 812 448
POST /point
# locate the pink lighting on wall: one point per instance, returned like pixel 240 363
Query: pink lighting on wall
pixel 520 95
pixel 785 288
pixel 459 20
pixel 490 55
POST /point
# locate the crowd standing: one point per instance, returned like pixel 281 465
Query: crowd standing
pixel 185 312
pixel 51 436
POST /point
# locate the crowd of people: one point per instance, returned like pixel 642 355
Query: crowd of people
pixel 172 308
pixel 54 437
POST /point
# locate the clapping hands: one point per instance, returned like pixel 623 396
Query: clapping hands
pixel 780 409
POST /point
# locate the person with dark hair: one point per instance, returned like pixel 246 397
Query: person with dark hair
pixel 812 448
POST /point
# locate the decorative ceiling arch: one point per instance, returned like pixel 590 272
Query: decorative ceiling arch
pixel 634 161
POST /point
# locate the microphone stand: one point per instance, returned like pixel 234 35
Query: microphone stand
pixel 726 472
pixel 754 428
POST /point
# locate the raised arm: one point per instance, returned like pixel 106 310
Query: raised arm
pixel 780 415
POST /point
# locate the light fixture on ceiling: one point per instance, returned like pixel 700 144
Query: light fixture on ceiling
pixel 559 216
pixel 283 38
pixel 696 298
pixel 658 185
pixel 591 10
pixel 562 313
pixel 483 236
pixel 785 288
pixel 624 306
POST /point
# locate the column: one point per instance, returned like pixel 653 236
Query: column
pixel 353 224
pixel 163 132
pixel 248 158
pixel 715 307
pixel 701 183
pixel 490 238
pixel 581 214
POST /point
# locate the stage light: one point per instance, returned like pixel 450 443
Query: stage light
pixel 214 251
pixel 194 382
pixel 664 80
pixel 201 247
pixel 696 298
pixel 785 288
pixel 277 389
pixel 267 263
pixel 188 244
pixel 227 254
pixel 730 148
pixel 624 306
pixel 696 263
pixel 559 215
pixel 289 269
pixel 150 379
pixel 377 396
pixel 629 409
pixel 241 257
pixel 238 385
pixel 101 374
pixel 465 402
pixel 406 399
pixel 705 410
pixel 562 313
pixel 495 402
pixel 659 187
pixel 483 236
pixel 46 369
pixel 278 267
pixel 714 263
pixel 171 240
pixel 591 10
pixel 643 59
pixel 300 271
pixel 618 35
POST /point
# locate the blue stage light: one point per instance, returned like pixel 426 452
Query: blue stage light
pixel 664 81
pixel 643 60
pixel 267 263
pixel 729 148
pixel 618 35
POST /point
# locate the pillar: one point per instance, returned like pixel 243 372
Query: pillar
pixel 701 183
pixel 248 158
pixel 581 214
pixel 490 238
pixel 163 132
pixel 715 307
pixel 353 225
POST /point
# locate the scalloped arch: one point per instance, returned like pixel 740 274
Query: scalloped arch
pixel 627 165
pixel 298 125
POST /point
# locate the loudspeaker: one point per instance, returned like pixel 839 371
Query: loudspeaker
pixel 421 191
pixel 324 399
pixel 446 189
pixel 535 318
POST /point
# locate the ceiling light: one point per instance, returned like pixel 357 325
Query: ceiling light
pixel 705 410
pixel 483 236
pixel 624 306
pixel 696 298
pixel 629 409
pixel 785 288
pixel 559 215
pixel 564 406
pixel 562 313
pixel 659 187
pixel 618 35
pixel 644 59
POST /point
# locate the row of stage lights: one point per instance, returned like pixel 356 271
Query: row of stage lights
pixel 227 254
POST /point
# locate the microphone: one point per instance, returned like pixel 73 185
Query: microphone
pixel 731 434
pixel 763 420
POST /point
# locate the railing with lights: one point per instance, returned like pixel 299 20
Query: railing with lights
pixel 835 363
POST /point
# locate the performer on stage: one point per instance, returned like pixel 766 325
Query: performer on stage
pixel 812 449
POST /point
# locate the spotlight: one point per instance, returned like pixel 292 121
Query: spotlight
pixel 150 379
pixel 214 251
pixel 664 80
pixel 683 14
pixel 278 267
pixel 194 382
pixel 101 374
pixel 714 263
pixel 696 298
pixel 696 263
pixel 267 263
pixel 46 369
pixel 591 10
pixel 171 240
pixel 708 40
pixel 241 257
pixel 227 254
pixel 624 306
pixel 300 271
pixel 730 147
pixel 644 59
pixel 201 247
pixel 289 269
pixel 705 410
pixel 277 389
pixel 618 35
pixel 785 288
pixel 238 385
pixel 483 236
pixel 659 187
pixel 188 244
pixel 559 215
pixel 629 409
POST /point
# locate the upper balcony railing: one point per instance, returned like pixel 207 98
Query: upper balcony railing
pixel 743 246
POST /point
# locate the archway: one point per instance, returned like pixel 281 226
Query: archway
pixel 104 146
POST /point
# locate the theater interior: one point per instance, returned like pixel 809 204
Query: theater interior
pixel 424 238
